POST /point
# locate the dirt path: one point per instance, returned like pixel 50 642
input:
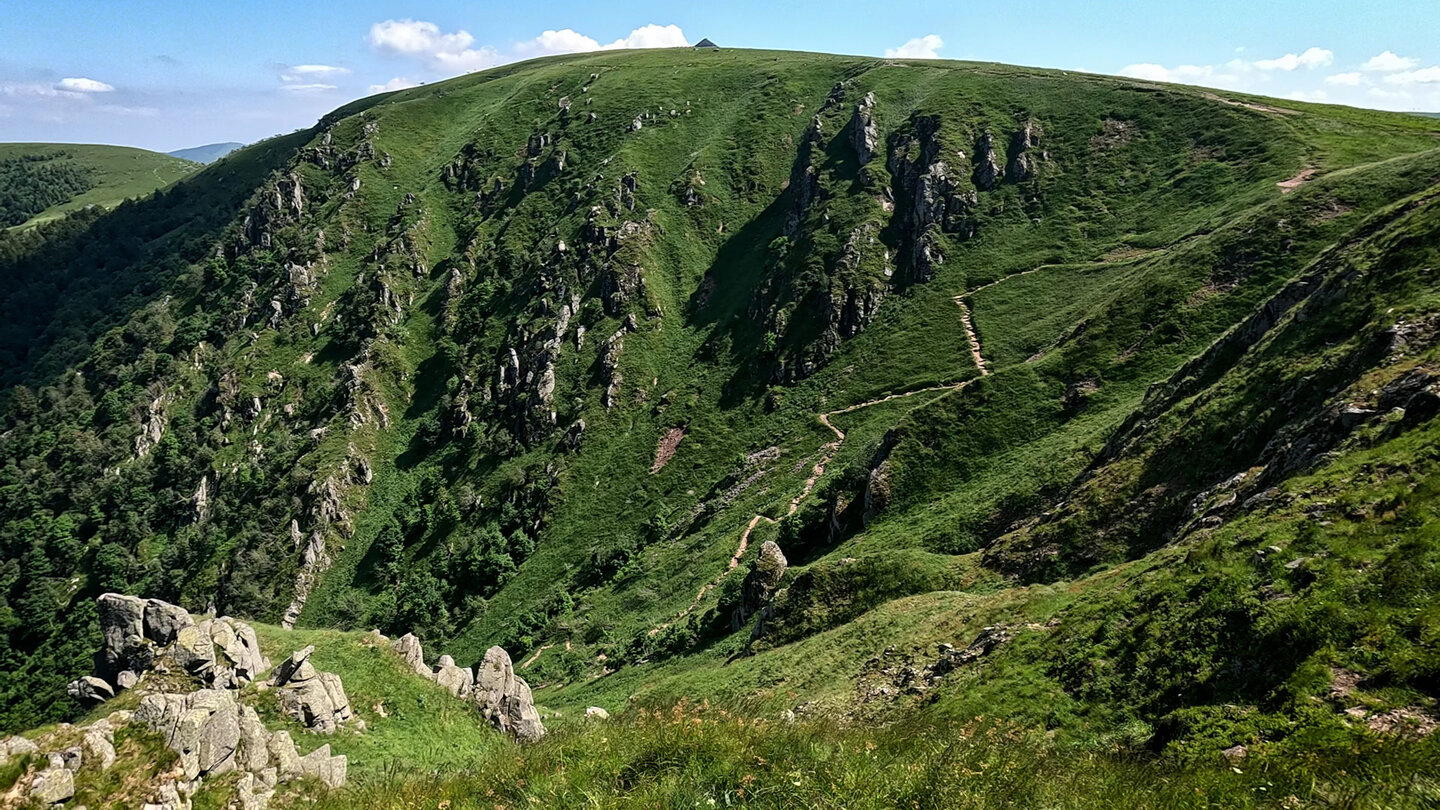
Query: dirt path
pixel 970 336
pixel 532 659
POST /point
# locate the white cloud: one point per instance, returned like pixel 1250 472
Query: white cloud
pixel 397 83
pixel 1184 74
pixel 1308 95
pixel 1347 79
pixel 311 73
pixel 651 36
pixel 1388 62
pixel 440 52
pixel 310 87
pixel 82 85
pixel 568 40
pixel 1311 58
pixel 1429 75
pixel 919 48
pixel 120 109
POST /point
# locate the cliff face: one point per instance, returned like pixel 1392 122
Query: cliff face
pixel 418 370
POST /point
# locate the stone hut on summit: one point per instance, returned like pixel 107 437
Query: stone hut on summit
pixel 706 43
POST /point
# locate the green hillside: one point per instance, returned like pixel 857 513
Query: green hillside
pixel 97 175
pixel 1123 391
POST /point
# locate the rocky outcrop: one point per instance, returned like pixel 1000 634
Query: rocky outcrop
pixel 504 698
pixel 1024 152
pixel 862 131
pixel 315 699
pixel 139 634
pixel 214 734
pixel 927 199
pixel 804 178
pixel 760 583
pixel 988 173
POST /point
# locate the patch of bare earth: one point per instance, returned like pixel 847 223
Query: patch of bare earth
pixel 1287 186
pixel 665 449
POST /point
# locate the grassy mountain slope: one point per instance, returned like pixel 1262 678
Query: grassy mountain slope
pixel 209 153
pixel 541 356
pixel 113 174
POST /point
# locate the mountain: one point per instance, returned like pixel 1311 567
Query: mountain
pixel 209 153
pixel 45 181
pixel 890 397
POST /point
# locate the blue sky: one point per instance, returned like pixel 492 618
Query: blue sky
pixel 164 75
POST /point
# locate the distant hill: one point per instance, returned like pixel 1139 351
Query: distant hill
pixel 209 153
pixel 94 175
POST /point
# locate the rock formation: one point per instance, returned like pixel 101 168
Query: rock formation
pixel 504 698
pixel 139 634
pixel 760 583
pixel 316 699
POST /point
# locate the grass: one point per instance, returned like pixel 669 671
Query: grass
pixel 118 173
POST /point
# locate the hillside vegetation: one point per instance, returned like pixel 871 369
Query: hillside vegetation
pixel 41 182
pixel 1089 416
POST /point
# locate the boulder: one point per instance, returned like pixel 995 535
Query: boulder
pixel 283 754
pixel 15 747
pixel 90 690
pixel 409 648
pixel 760 583
pixel 122 622
pixel 99 744
pixel 457 680
pixel 194 649
pixel 504 698
pixel 52 786
pixel 254 751
pixel 319 764
pixel 203 727
pixel 163 621
pixel 314 698
pixel 596 713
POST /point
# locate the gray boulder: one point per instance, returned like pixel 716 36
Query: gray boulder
pixel 321 765
pixel 504 698
pixel 122 622
pixel 314 698
pixel 457 680
pixel 163 621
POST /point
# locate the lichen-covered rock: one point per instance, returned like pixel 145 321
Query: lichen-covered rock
pixel 52 786
pixel 99 744
pixel 504 698
pixel 321 765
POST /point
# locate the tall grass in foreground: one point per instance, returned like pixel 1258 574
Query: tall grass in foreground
pixel 695 756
